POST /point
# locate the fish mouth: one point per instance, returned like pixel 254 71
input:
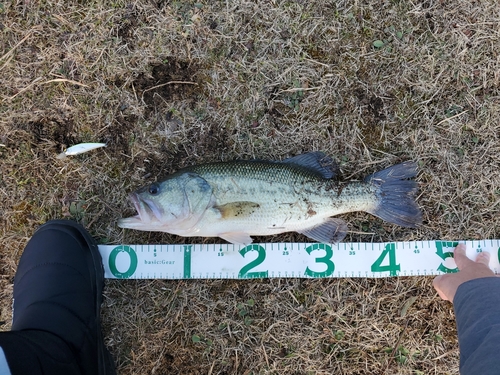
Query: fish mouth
pixel 147 213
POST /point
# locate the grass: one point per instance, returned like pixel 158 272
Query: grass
pixel 168 84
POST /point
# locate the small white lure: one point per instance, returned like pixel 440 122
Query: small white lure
pixel 80 149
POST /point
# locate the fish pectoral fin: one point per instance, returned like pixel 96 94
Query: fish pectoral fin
pixel 332 230
pixel 237 238
pixel 237 209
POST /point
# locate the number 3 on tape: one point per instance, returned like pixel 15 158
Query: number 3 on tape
pixel 327 260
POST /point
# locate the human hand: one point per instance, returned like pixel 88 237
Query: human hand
pixel 447 285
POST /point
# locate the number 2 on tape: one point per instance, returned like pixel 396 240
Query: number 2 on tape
pixel 244 274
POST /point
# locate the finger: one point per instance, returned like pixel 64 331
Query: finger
pixel 442 295
pixel 483 258
pixel 438 283
pixel 460 258
pixel 460 249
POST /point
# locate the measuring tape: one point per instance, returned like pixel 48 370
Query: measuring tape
pixel 306 260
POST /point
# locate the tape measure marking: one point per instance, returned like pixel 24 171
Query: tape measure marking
pixel 305 260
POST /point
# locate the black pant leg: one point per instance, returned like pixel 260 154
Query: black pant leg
pixel 38 353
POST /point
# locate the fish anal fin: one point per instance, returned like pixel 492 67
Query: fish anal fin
pixel 237 238
pixel 237 209
pixel 332 230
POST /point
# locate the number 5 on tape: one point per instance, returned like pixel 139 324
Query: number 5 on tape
pixel 443 255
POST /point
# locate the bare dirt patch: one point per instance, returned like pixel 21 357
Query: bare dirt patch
pixel 173 80
pixel 56 130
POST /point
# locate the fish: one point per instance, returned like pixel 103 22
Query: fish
pixel 235 200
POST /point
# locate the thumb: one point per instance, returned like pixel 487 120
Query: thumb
pixel 439 283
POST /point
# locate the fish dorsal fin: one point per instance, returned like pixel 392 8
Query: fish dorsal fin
pixel 237 238
pixel 237 209
pixel 316 161
pixel 332 230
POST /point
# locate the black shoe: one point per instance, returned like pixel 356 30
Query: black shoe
pixel 58 289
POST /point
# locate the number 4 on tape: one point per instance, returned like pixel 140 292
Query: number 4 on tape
pixel 392 267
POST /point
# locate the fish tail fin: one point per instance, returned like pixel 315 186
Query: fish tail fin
pixel 396 195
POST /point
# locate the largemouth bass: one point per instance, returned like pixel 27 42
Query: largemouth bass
pixel 235 200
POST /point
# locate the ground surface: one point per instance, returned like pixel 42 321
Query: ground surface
pixel 167 84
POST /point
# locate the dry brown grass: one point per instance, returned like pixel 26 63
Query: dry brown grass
pixel 266 79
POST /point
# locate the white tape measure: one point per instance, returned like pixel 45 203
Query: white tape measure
pixel 308 260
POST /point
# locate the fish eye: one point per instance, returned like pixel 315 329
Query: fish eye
pixel 154 189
